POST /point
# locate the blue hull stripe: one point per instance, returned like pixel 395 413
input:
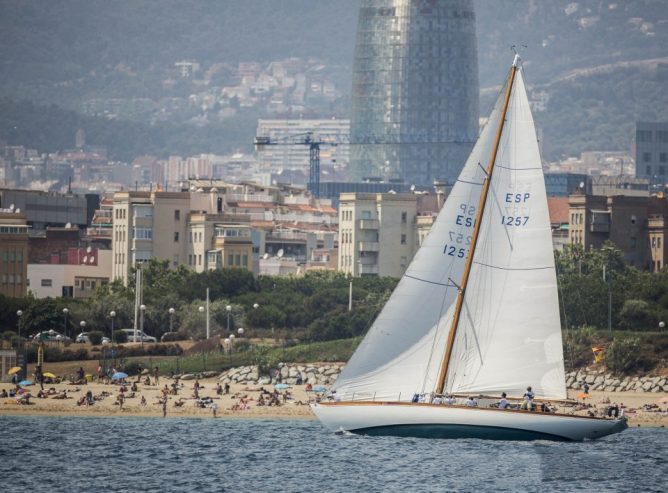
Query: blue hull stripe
pixel 457 431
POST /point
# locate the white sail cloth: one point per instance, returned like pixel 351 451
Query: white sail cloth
pixel 403 349
pixel 509 334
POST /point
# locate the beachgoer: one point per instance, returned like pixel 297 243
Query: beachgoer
pixel 4 393
pixel 219 389
pixel 156 375
pixel 214 408
pixel 585 388
pixel 196 385
pixel 143 401
pixel 471 402
pixel 164 407
pixel 503 402
pixel 39 376
pixel 227 388
pixel 81 374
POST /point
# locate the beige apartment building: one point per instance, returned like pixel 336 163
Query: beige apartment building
pixel 13 253
pixel 182 227
pixel 147 225
pixel 377 233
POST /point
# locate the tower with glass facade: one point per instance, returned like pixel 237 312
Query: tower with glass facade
pixel 415 90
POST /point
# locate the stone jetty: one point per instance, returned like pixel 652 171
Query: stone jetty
pixel 607 382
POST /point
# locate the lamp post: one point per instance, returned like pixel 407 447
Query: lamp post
pixel 112 314
pixel 201 310
pixel 226 342
pixel 232 336
pixel 662 325
pixel 82 324
pixel 240 331
pixel 24 362
pixel 171 319
pixel 229 310
pixel 65 312
pixel 142 309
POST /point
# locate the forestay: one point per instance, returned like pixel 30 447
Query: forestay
pixel 509 333
pixel 402 351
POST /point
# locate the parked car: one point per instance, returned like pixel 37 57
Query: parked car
pixel 85 339
pixel 50 336
pixel 141 336
pixel 170 336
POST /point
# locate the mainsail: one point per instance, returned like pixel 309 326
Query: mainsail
pixel 401 353
pixel 509 332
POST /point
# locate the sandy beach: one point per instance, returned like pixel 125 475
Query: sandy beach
pixel 184 404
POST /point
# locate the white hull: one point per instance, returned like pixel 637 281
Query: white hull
pixel 440 421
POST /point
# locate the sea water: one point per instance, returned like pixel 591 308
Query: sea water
pixel 54 454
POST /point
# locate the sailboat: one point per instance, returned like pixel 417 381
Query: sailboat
pixel 476 312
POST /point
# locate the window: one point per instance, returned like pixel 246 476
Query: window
pixel 238 259
pixel 653 242
pixel 177 215
pixel 190 259
pixel 644 136
pixel 648 170
pixel 403 239
pixel 199 260
pixel 662 135
pixel 230 260
pixel 190 237
pixel 245 261
pixel 47 283
pixel 663 157
pixel 646 157
pixel 366 214
pixel 662 170
pixel 404 217
pixel 658 242
pixel 176 236
pixel 142 234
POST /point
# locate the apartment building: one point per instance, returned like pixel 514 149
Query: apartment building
pixel 217 241
pixel 148 225
pixel 652 151
pixel 623 220
pixel 13 252
pixel 377 233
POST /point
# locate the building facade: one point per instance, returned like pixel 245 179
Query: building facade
pixel 13 253
pixel 652 151
pixel 415 90
pixel 377 233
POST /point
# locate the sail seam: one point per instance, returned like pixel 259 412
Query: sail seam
pixel 511 268
pixel 471 182
pixel 517 169
pixel 447 285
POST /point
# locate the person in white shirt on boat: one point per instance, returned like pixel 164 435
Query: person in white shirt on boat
pixel 528 399
pixel 471 402
pixel 503 402
pixel 450 400
pixel 437 400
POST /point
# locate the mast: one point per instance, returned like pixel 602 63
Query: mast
pixel 476 230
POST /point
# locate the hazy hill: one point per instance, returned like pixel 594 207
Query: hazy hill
pixel 57 52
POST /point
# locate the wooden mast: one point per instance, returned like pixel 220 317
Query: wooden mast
pixel 474 240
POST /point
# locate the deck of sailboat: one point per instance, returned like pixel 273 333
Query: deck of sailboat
pixel 460 406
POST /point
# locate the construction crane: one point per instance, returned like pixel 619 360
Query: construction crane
pixel 306 139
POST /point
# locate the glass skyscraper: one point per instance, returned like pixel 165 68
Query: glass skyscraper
pixel 415 90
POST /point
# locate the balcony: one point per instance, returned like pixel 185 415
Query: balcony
pixel 368 246
pixel 368 224
pixel 368 269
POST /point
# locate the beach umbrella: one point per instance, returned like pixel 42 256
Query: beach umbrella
pixel 319 388
pixel 14 369
pixel 281 386
pixel 48 374
pixel 119 375
pixel 25 382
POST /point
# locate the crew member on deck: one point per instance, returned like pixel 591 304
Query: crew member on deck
pixel 528 399
pixel 503 402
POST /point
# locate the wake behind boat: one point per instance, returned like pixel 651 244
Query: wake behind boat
pixel 476 312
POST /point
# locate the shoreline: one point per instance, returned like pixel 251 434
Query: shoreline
pixel 242 403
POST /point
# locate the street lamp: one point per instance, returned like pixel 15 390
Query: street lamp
pixel 24 362
pixel 232 336
pixel 227 342
pixel 171 319
pixel 256 306
pixel 240 331
pixel 112 314
pixel 229 310
pixel 662 325
pixel 19 314
pixel 65 312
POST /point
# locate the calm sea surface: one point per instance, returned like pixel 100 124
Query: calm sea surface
pixel 151 454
